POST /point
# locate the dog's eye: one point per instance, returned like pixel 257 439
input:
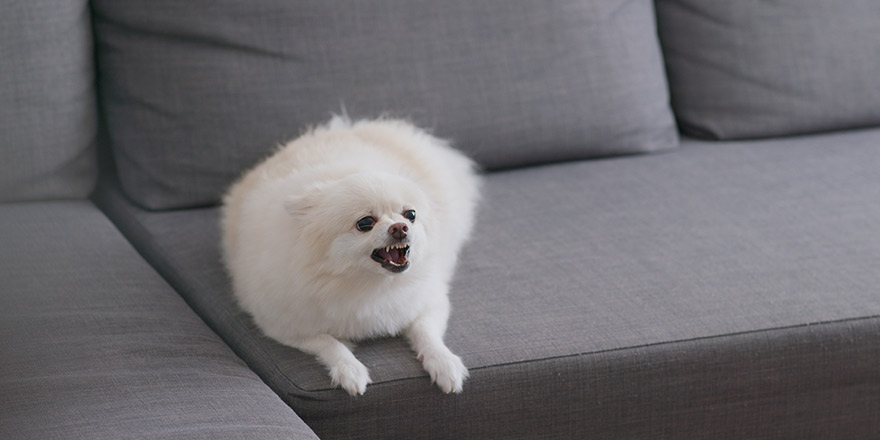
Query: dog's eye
pixel 410 215
pixel 365 224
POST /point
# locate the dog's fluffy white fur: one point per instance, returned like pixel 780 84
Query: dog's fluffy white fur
pixel 352 231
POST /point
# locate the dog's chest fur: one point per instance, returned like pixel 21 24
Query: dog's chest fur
pixel 369 312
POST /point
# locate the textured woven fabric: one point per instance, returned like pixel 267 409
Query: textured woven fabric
pixel 47 100
pixel 95 345
pixel 748 69
pixel 591 296
pixel 197 91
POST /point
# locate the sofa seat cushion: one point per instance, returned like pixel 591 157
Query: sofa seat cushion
pixel 721 288
pixel 96 345
pixel 197 91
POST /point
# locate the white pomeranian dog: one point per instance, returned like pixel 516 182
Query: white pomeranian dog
pixel 350 232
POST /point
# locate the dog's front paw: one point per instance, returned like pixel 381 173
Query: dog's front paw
pixel 445 369
pixel 352 376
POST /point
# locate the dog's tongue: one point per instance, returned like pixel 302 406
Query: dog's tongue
pixel 394 255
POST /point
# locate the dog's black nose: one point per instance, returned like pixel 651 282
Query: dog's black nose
pixel 398 230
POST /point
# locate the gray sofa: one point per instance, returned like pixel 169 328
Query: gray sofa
pixel 678 236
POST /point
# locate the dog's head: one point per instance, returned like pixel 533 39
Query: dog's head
pixel 362 222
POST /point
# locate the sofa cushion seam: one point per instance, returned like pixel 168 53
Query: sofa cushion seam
pixel 639 346
pixel 684 340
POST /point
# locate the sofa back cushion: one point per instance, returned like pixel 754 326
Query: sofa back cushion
pixel 752 68
pixel 47 100
pixel 197 91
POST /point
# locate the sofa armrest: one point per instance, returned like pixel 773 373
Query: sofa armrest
pixel 94 344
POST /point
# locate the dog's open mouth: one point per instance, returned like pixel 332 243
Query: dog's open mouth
pixel 393 257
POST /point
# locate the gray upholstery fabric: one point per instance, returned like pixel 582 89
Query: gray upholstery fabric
pixel 197 91
pixel 747 69
pixel 721 291
pixel 47 100
pixel 95 345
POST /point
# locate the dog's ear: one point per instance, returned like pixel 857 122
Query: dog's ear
pixel 300 204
